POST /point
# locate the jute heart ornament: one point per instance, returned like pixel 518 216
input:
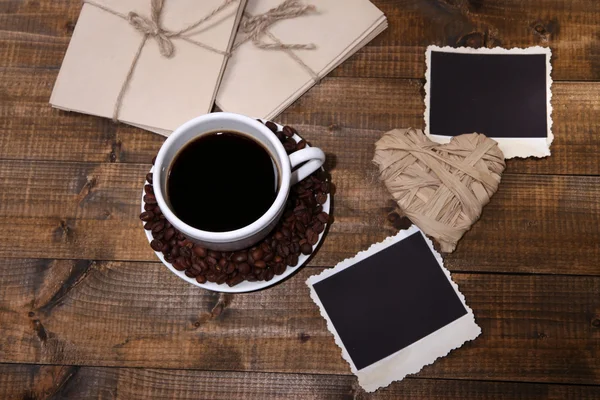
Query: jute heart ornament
pixel 441 188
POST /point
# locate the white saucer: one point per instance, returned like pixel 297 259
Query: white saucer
pixel 244 286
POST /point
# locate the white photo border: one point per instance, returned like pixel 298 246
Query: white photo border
pixel 511 147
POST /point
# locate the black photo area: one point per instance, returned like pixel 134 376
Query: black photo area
pixel 390 300
pixel 499 95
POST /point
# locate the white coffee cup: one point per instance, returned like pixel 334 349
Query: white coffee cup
pixel 312 159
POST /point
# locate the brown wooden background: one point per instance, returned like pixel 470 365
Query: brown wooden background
pixel 86 311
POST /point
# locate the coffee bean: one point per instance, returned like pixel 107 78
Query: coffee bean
pixel 149 199
pixel 214 254
pixel 279 268
pixel 223 263
pixel 159 226
pixel 325 187
pixel 230 268
pixel 196 267
pixel 202 264
pixel 306 249
pixel 153 160
pixel 148 189
pixel 312 201
pixel 158 235
pixel 286 232
pixel 200 251
pixel 269 275
pixel 148 225
pixel 211 260
pixel 257 254
pixel 221 279
pixel 321 198
pixel 201 279
pixel 269 257
pixel 295 248
pixel 318 227
pixel 190 273
pixel 289 145
pixel 185 251
pixel 178 265
pixel 235 280
pixel 149 177
pixel 244 268
pixel 294 260
pixel 148 207
pixel 323 217
pixel 184 261
pixel 312 237
pixel 301 144
pixel 240 256
pixel 157 245
pixel 211 277
pixel 272 126
pixel 300 227
pixel 288 131
pixel 260 264
pixel 169 233
pixel 279 235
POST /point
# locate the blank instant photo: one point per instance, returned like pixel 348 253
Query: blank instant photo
pixel 393 309
pixel 504 94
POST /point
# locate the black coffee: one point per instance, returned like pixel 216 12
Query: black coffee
pixel 221 182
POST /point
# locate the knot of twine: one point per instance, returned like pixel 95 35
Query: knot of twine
pixel 255 27
pixel 152 27
pixel 441 188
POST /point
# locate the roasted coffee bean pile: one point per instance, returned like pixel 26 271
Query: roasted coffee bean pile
pixel 296 233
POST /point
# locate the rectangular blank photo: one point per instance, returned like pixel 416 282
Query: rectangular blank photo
pixel 504 94
pixel 393 309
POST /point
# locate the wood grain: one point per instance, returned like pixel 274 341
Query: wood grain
pixel 68 382
pixel 36 34
pixel 73 312
pixel 345 116
pixel 81 291
pixel 90 210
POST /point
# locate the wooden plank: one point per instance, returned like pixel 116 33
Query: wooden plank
pixel 69 382
pixel 534 223
pixel 570 28
pixel 73 312
pixel 344 116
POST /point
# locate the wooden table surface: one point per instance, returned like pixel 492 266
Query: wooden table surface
pixel 87 311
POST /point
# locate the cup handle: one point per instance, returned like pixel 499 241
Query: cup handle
pixel 313 159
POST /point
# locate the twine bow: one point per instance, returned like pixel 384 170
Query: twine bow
pixel 441 188
pixel 153 28
pixel 255 27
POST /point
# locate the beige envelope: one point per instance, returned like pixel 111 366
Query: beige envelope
pixel 163 92
pixel 262 83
